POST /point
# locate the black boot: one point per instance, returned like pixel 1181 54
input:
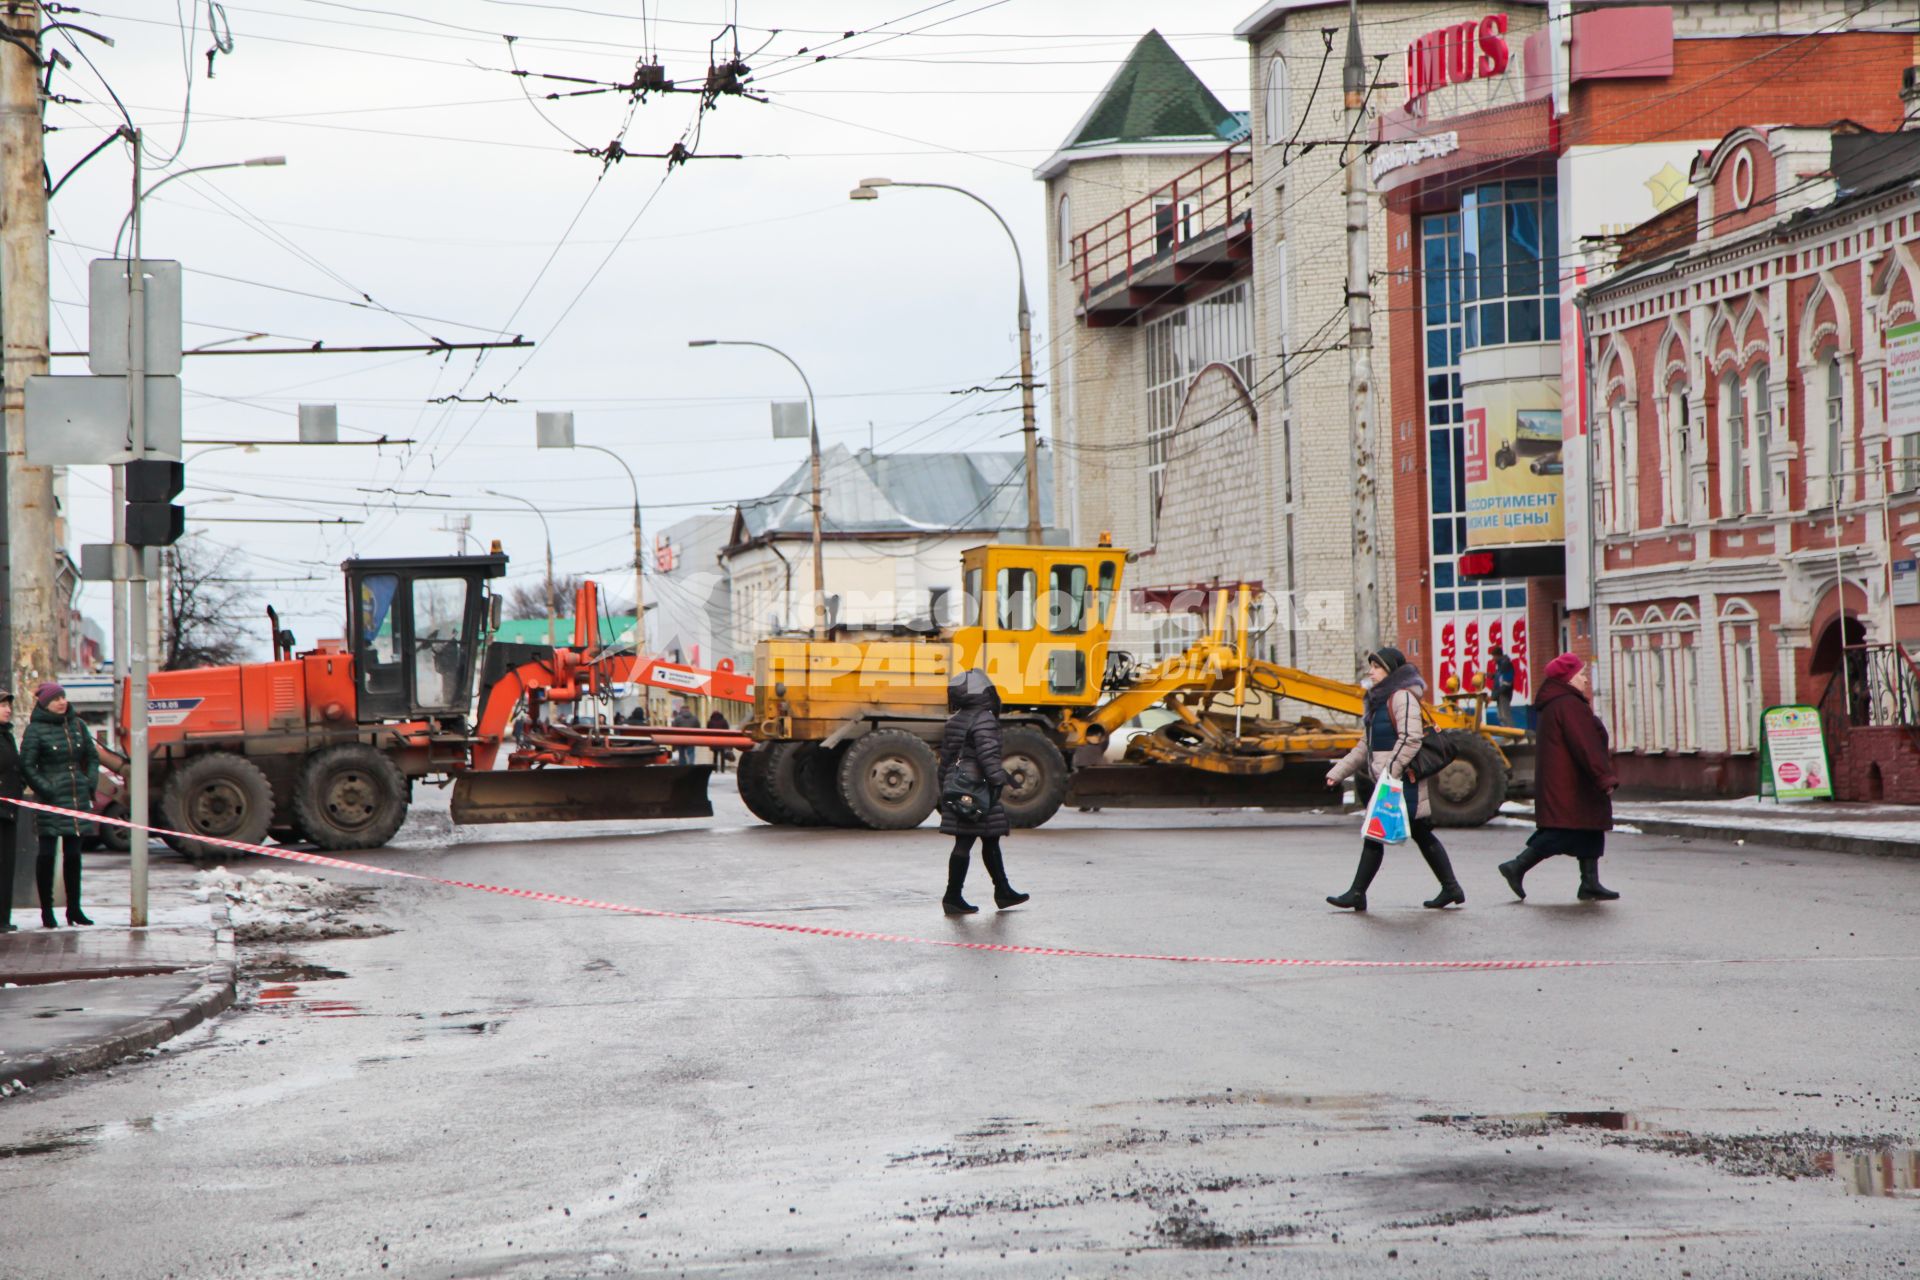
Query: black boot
pixel 70 866
pixel 1451 894
pixel 43 881
pixel 1004 894
pixel 1516 871
pixel 1591 890
pixel 1355 899
pixel 952 903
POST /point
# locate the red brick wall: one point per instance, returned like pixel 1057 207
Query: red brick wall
pixel 1876 764
pixel 1718 85
pixel 1728 216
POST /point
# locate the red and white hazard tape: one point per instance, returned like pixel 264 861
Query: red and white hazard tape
pixel 863 935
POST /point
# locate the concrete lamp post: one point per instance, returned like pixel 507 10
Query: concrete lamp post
pixel 869 189
pixel 137 600
pixel 554 430
pixel 813 441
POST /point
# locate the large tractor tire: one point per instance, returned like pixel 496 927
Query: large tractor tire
pixel 890 779
pixel 115 839
pixel 350 797
pixel 755 779
pixel 1471 790
pixel 1039 775
pixel 818 769
pixel 783 785
pixel 217 794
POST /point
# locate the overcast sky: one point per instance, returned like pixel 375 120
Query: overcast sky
pixel 420 176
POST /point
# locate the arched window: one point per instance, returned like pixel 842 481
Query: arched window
pixel 1621 683
pixel 1679 453
pixel 1064 220
pixel 1278 108
pixel 1836 418
pixel 1740 673
pixel 1733 431
pixel 1620 446
pixel 1760 465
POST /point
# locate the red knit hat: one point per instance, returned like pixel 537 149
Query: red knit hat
pixel 1564 667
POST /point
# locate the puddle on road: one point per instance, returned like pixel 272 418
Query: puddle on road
pixel 47 1144
pixel 1891 1171
pixel 1863 1164
pixel 286 998
pixel 484 1027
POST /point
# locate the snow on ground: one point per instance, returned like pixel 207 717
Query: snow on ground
pixel 273 906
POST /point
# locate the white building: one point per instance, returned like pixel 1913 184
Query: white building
pixel 893 528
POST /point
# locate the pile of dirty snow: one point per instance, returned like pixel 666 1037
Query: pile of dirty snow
pixel 272 906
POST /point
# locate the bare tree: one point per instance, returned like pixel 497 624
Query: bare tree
pixel 208 605
pixel 529 599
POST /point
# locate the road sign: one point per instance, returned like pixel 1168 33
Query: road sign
pixel 110 562
pixel 107 315
pixel 789 419
pixel 81 421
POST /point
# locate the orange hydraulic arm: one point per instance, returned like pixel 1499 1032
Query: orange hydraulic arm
pixel 583 669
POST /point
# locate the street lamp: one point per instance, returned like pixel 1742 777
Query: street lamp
pixel 813 440
pixel 495 493
pixel 258 162
pixel 869 189
pixel 555 431
pixel 131 617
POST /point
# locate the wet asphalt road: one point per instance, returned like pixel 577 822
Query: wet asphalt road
pixel 505 1088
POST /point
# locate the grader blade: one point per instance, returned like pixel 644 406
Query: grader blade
pixel 583 795
pixel 1150 786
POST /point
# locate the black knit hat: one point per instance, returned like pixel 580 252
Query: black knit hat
pixel 1388 657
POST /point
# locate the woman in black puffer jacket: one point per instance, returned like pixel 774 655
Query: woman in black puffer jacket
pixel 972 734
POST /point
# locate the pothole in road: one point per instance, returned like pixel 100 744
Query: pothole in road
pixel 286 968
pixel 1863 1164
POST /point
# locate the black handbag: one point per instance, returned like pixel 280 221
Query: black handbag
pixel 1437 751
pixel 964 796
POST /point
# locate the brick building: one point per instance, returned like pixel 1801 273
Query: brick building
pixel 1523 144
pixel 1755 448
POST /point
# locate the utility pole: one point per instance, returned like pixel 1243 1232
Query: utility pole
pixel 139 592
pixel 1366 531
pixel 31 604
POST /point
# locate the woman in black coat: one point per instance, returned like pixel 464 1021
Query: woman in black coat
pixel 972 735
pixel 13 786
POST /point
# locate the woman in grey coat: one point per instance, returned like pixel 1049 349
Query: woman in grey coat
pixel 1390 737
pixel 972 734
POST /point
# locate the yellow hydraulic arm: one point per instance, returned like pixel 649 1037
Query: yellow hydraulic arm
pixel 1219 663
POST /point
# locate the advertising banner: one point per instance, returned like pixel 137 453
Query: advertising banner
pixel 1514 469
pixel 1903 380
pixel 1793 755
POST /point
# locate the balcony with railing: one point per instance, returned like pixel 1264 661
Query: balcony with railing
pixel 1184 239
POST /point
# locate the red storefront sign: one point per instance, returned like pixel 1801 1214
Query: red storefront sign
pixel 1456 54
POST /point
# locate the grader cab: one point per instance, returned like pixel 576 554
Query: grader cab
pixel 847 725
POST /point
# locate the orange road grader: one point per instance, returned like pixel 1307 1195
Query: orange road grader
pixel 847 727
pixel 324 746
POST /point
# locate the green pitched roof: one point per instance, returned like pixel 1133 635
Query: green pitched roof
pixel 534 630
pixel 1155 96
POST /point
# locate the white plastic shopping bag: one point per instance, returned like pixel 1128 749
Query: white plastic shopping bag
pixel 1386 819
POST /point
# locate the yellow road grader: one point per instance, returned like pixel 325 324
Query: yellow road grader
pixel 846 728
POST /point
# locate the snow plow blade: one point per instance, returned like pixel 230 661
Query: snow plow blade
pixel 583 795
pixel 1137 786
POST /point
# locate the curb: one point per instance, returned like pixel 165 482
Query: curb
pixel 1830 842
pixel 213 996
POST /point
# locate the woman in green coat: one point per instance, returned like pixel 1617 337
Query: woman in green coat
pixel 63 768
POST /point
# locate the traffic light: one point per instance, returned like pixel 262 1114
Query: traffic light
pixel 153 518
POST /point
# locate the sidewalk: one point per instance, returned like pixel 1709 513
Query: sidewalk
pixel 79 999
pixel 1884 830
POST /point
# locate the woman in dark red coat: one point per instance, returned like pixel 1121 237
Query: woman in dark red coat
pixel 1573 780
